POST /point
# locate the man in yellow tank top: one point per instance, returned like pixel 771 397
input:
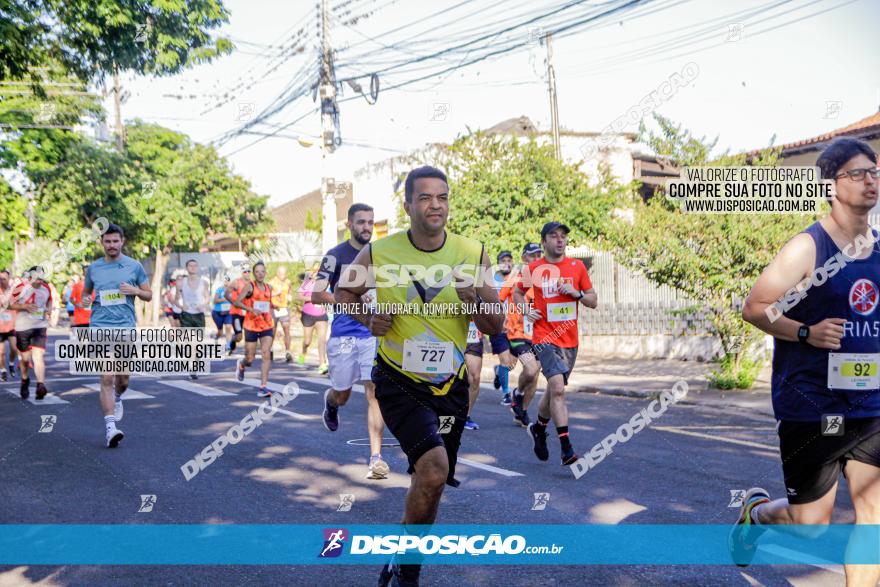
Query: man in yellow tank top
pixel 429 285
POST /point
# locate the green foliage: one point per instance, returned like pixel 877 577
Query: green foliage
pixel 91 38
pixel 730 376
pixel 313 224
pixel 166 192
pixel 186 193
pixel 13 222
pixel 502 190
pixel 713 258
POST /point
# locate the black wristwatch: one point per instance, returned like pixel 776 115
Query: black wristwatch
pixel 803 333
pixel 581 296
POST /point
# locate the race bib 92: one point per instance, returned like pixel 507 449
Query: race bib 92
pixel 853 371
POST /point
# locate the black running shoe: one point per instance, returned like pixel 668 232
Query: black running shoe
pixel 12 370
pixel 392 575
pixel 568 456
pixel 330 415
pixel 744 535
pixel 496 382
pixel 539 441
pixel 23 390
pixel 41 391
pixel 519 414
pixel 4 376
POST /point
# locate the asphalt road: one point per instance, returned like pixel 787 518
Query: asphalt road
pixel 291 470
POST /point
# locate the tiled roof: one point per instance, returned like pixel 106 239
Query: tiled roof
pixel 291 216
pixel 868 125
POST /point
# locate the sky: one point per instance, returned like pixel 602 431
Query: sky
pixel 804 76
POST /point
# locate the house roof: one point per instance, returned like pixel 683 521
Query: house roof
pixel 867 127
pixel 291 216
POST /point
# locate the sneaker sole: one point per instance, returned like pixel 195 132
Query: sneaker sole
pixel 739 526
pixel 532 438
pixel 40 396
pixel 114 442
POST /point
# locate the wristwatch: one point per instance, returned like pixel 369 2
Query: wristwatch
pixel 581 296
pixel 803 333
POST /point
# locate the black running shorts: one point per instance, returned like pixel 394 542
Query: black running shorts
pixel 419 420
pixel 520 347
pixel 34 337
pixel 813 462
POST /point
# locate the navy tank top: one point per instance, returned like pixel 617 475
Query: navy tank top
pixel 800 371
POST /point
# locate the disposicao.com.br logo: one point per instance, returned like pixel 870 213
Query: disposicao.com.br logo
pixel 430 544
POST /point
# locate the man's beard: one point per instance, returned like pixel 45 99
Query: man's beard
pixel 360 238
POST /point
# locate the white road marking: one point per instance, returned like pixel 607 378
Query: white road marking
pixel 719 438
pixel 489 468
pixel 195 388
pixel 275 386
pixel 49 399
pixel 129 393
pixel 698 427
pixel 798 558
pixel 292 414
pixel 54 379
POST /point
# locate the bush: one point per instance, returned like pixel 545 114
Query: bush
pixel 728 376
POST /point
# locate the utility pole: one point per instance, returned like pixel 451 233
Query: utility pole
pixel 554 109
pixel 329 117
pixel 117 102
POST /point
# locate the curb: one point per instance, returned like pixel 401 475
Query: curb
pixel 693 399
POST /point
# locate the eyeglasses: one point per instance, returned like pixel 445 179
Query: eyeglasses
pixel 859 174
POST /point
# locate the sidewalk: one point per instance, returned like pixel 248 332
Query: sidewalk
pixel 646 378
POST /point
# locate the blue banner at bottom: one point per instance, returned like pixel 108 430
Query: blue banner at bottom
pixel 207 544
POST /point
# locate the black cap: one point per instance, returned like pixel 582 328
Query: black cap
pixel 531 249
pixel 551 226
pixel 503 254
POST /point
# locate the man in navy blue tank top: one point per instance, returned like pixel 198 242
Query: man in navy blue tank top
pixel 351 348
pixel 818 298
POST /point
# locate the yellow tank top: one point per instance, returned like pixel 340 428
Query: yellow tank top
pixel 414 333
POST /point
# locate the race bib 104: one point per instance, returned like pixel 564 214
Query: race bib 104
pixel 112 297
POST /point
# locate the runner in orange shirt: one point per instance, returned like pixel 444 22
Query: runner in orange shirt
pixel 7 326
pixel 255 299
pixel 562 285
pixel 233 292
pixel 518 328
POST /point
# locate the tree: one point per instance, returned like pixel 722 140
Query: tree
pixel 503 189
pixel 13 222
pixel 91 38
pixel 712 258
pixel 166 192
pixel 187 194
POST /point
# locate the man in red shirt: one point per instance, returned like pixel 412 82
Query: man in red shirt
pixel 560 285
pixel 81 314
